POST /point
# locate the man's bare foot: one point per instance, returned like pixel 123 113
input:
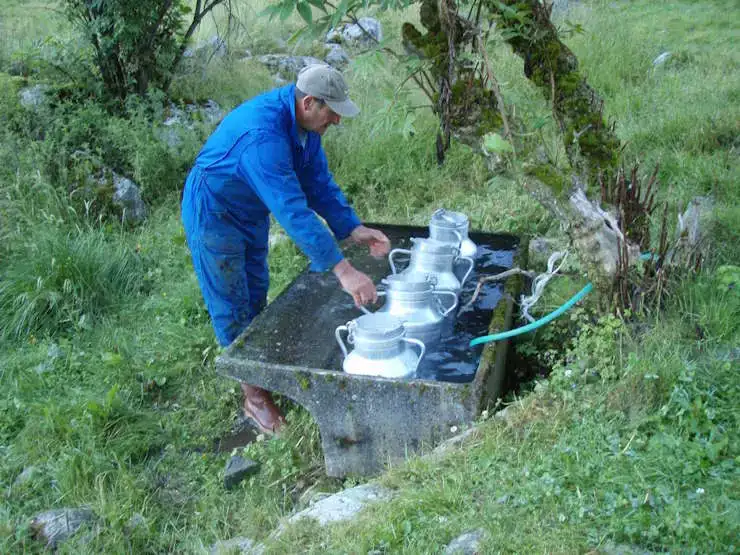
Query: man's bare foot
pixel 259 406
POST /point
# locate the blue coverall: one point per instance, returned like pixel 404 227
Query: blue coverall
pixel 255 163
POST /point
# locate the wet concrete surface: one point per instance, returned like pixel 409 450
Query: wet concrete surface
pixel 297 328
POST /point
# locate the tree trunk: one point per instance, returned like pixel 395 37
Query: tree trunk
pixel 469 110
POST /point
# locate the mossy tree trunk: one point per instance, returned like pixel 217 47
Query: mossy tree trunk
pixel 470 109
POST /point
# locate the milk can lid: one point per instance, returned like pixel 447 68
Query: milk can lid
pixel 378 326
pixel 408 282
pixel 448 218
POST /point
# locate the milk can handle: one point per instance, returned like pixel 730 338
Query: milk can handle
pixel 338 335
pixel 390 257
pixel 470 270
pixel 365 309
pixel 422 349
pixel 459 237
pixel 454 302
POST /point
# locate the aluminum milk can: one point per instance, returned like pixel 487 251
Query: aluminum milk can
pixel 422 309
pixel 381 347
pixel 434 260
pixel 452 227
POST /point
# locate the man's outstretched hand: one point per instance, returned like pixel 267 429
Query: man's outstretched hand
pixel 379 244
pixel 357 284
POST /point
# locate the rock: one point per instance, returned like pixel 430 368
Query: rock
pixel 54 352
pixel 467 544
pixel 214 47
pixel 238 468
pixel 285 65
pixel 25 476
pixel 662 59
pixel 33 97
pixel 366 32
pixel 693 225
pixel 247 55
pixel 336 56
pixel 455 441
pixel 128 198
pixel 276 237
pixel 211 111
pixel 57 525
pixel 240 544
pixel 137 520
pixel 562 7
pixel 334 36
pixel 343 505
pixel 540 250
pixel 610 548
pixel 506 414
pixel 18 68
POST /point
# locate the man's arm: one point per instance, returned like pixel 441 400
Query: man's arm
pixel 326 198
pixel 267 166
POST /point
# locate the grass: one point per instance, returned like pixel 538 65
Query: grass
pixel 117 410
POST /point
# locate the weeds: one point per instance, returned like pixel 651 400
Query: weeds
pixel 65 282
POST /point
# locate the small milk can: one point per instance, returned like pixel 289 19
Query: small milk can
pixel 452 227
pixel 381 347
pixel 434 260
pixel 414 300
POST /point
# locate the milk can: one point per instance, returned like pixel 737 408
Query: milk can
pixel 434 260
pixel 452 227
pixel 414 300
pixel 381 347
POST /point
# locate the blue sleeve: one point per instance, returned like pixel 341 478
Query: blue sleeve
pixel 267 166
pixel 325 196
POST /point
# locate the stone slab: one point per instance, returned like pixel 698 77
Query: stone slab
pixel 367 422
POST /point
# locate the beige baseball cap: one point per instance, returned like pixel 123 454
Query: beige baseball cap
pixel 326 83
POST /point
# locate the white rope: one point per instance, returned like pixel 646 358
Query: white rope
pixel 539 283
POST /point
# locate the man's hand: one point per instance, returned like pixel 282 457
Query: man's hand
pixel 356 283
pixel 379 244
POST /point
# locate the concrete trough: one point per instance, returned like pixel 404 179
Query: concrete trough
pixel 368 422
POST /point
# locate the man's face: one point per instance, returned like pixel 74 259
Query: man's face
pixel 318 116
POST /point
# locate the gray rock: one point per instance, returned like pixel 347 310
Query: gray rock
pixel 54 352
pixel 455 441
pixel 366 32
pixel 18 67
pixel 25 476
pixel 334 36
pixel 240 544
pixel 128 197
pixel 466 544
pixel 694 224
pixel 562 7
pixel 214 47
pixel 343 505
pixel 238 468
pixel 336 56
pixel 33 97
pixel 540 250
pixel 506 414
pixel 611 548
pixel 57 525
pixel 662 59
pixel 211 111
pixel 44 367
pixel 285 65
pixel 137 520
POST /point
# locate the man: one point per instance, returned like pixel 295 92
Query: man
pixel 266 157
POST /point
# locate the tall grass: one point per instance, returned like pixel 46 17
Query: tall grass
pixel 64 281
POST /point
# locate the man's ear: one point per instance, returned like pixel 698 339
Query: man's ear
pixel 308 102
